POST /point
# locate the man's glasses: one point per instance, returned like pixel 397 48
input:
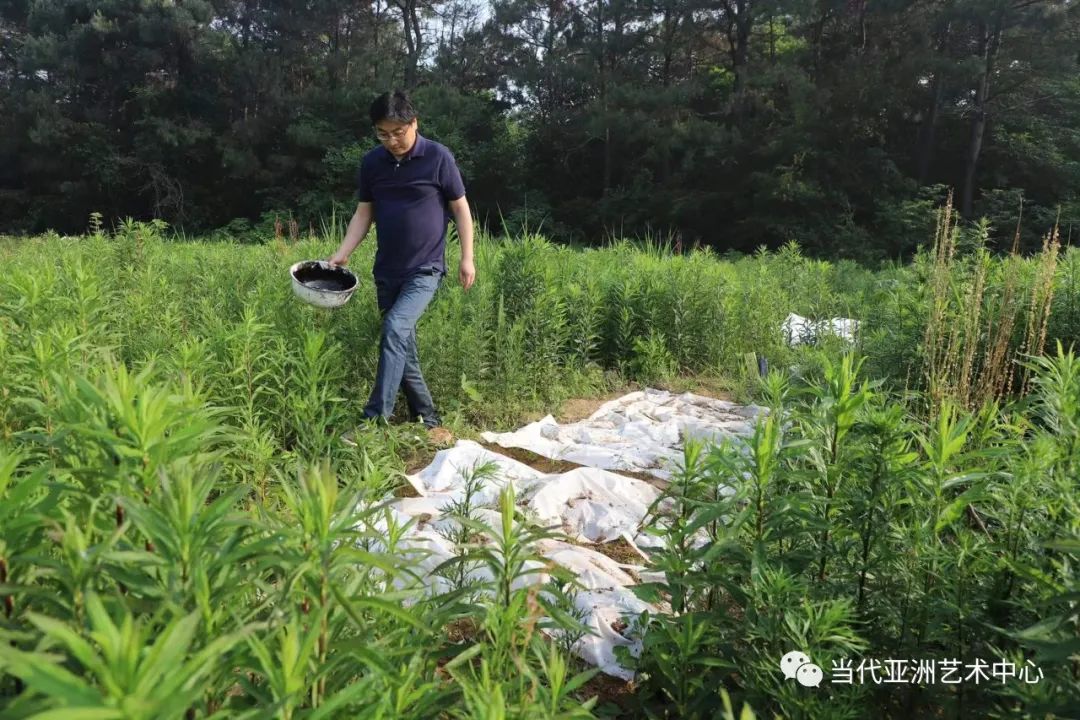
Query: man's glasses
pixel 393 134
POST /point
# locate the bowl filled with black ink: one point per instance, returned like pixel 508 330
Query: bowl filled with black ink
pixel 321 284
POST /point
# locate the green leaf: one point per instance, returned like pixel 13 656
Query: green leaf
pixel 465 656
pixel 649 592
pixel 166 653
pixel 74 643
pixel 580 679
pixel 70 713
pixel 376 604
pixel 350 694
pixel 48 678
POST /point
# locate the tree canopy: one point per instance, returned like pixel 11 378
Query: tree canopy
pixel 729 123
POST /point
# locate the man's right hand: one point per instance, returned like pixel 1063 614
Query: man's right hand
pixel 338 258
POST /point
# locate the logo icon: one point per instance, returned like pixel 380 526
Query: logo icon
pixel 797 665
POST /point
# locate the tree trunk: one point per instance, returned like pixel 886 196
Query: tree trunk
pixel 862 26
pixel 348 46
pixel 667 32
pixel 381 13
pixel 740 26
pixel 601 54
pixel 928 129
pixel 819 34
pixel 333 79
pixel 418 46
pixel 990 41
pixel 772 40
pixel 548 90
pixel 669 28
pixel 410 21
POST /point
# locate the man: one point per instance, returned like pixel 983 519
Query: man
pixel 409 186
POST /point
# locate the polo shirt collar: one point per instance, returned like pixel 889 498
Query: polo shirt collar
pixel 418 149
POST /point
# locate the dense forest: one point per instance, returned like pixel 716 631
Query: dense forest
pixel 838 124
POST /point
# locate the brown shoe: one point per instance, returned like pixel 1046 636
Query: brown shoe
pixel 440 435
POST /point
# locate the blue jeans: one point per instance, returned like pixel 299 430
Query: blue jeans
pixel 402 301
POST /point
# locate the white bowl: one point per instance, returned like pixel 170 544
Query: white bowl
pixel 321 284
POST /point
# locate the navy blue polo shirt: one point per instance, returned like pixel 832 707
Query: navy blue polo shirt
pixel 410 200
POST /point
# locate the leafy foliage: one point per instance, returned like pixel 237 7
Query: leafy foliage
pixel 731 124
pixel 183 533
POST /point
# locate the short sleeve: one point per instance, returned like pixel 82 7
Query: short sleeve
pixel 363 184
pixel 453 187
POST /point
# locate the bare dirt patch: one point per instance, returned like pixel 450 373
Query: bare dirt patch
pixel 610 691
pixel 536 462
pixel 620 551
pixel 709 386
pixel 552 467
pixel 417 461
pixel 462 630
pixel 405 490
pixel 581 408
pixel 576 409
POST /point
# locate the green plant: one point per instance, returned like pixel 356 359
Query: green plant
pixel 171 467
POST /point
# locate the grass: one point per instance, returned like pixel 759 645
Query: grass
pixel 183 534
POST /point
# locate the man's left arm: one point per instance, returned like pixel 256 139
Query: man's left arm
pixel 463 221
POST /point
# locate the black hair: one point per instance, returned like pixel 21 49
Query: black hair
pixel 395 106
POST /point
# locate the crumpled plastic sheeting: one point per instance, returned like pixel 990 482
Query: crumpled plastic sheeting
pixel 605 603
pixel 803 331
pixel 587 504
pixel 592 505
pixel 445 476
pixel 641 432
pixel 426 546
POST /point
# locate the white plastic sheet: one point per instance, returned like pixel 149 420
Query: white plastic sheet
pixel 606 603
pixel 445 476
pixel 799 330
pixel 592 505
pixel 642 431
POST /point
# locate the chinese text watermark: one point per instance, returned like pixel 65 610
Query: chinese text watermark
pixel 951 671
